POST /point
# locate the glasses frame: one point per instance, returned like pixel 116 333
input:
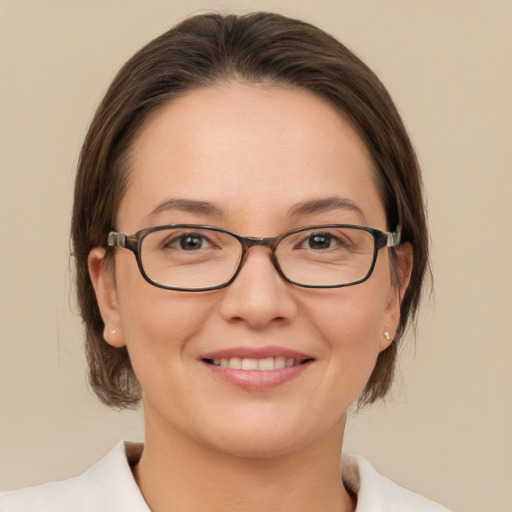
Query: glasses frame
pixel 134 243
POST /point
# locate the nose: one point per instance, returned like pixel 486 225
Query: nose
pixel 259 296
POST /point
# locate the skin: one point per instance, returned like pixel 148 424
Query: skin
pixel 210 445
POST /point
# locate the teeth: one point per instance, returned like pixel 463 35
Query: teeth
pixel 269 363
pixel 266 364
pixel 234 362
pixel 279 362
pixel 249 364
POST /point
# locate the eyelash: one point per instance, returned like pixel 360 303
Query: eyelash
pixel 179 238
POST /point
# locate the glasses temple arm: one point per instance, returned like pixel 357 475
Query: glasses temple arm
pixel 394 238
pixel 116 239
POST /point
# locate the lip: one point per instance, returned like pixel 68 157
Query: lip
pixel 256 353
pixel 257 380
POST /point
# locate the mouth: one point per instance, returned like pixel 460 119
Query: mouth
pixel 260 369
pixel 263 364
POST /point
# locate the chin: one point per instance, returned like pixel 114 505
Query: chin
pixel 257 445
pixel 262 439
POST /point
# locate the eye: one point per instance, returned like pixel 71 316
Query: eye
pixel 189 242
pixel 319 241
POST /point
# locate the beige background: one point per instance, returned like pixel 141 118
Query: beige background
pixel 447 431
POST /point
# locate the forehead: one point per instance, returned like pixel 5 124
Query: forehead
pixel 253 151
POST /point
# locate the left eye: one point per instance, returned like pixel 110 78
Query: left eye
pixel 320 241
pixel 189 242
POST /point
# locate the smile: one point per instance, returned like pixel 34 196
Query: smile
pixel 257 369
pixel 266 364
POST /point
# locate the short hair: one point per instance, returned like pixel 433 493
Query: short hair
pixel 203 51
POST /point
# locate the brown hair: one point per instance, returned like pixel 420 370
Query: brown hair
pixel 200 52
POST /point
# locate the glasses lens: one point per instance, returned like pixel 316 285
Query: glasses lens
pixel 189 257
pixel 326 256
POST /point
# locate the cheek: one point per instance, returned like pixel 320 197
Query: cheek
pixel 352 318
pixel 351 331
pixel 157 322
pixel 161 331
pixel 162 317
pixel 350 324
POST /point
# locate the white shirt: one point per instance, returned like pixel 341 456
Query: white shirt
pixel 109 486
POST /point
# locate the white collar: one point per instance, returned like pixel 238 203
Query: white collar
pixel 109 485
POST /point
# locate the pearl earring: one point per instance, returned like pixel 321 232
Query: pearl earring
pixel 113 331
pixel 387 335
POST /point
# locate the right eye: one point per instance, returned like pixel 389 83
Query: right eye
pixel 320 241
pixel 324 240
pixel 189 242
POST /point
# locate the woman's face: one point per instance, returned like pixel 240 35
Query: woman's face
pixel 256 155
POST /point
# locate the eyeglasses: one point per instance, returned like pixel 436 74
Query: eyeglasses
pixel 189 257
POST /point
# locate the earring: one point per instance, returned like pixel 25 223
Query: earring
pixel 113 331
pixel 387 335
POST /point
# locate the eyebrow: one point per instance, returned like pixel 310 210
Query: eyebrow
pixel 186 205
pixel 325 205
pixel 303 208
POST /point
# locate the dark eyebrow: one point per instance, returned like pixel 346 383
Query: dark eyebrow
pixel 303 208
pixel 186 205
pixel 325 205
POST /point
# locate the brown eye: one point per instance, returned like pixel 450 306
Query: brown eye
pixel 189 242
pixel 319 241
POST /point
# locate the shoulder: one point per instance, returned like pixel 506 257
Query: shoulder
pixel 376 493
pixel 106 486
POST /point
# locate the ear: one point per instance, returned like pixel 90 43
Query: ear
pixel 103 281
pixel 401 268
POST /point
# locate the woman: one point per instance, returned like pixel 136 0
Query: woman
pixel 250 242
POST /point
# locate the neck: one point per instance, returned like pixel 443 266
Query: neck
pixel 177 473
